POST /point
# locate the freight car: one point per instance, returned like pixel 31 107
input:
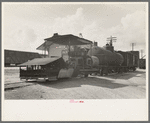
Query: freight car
pixel 130 60
pixel 142 63
pixel 13 58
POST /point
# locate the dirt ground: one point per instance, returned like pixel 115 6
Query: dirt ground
pixel 131 85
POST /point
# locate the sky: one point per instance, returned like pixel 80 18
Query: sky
pixel 26 25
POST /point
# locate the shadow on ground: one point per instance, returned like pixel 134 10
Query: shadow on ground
pixel 78 82
pixel 125 76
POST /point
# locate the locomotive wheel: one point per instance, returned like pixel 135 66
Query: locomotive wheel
pixel 113 71
pixel 101 72
pixel 125 70
pixel 118 70
pixel 57 78
pixel 106 71
pixel 85 75
pixel 121 70
pixel 76 72
pixel 134 68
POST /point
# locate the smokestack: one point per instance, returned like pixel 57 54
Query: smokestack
pixel 95 43
pixel 80 35
pixel 55 34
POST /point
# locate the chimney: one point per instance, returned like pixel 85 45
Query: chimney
pixel 55 34
pixel 95 43
pixel 80 35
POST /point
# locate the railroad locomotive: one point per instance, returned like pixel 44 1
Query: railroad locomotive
pixel 104 60
pixel 85 61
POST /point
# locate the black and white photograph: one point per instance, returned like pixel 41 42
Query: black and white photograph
pixel 60 59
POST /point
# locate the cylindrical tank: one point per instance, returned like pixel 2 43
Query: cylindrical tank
pixel 106 57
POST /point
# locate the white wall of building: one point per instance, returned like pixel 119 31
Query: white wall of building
pixel 55 50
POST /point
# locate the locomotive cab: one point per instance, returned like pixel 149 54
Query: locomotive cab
pixel 76 62
pixel 109 47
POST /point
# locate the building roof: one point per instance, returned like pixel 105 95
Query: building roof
pixel 40 61
pixel 44 45
pixel 64 40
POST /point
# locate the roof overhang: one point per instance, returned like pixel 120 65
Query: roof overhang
pixel 68 40
pixel 40 61
pixel 44 45
pixel 64 40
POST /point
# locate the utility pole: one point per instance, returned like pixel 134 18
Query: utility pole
pixel 132 44
pixel 141 53
pixel 45 49
pixel 111 40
